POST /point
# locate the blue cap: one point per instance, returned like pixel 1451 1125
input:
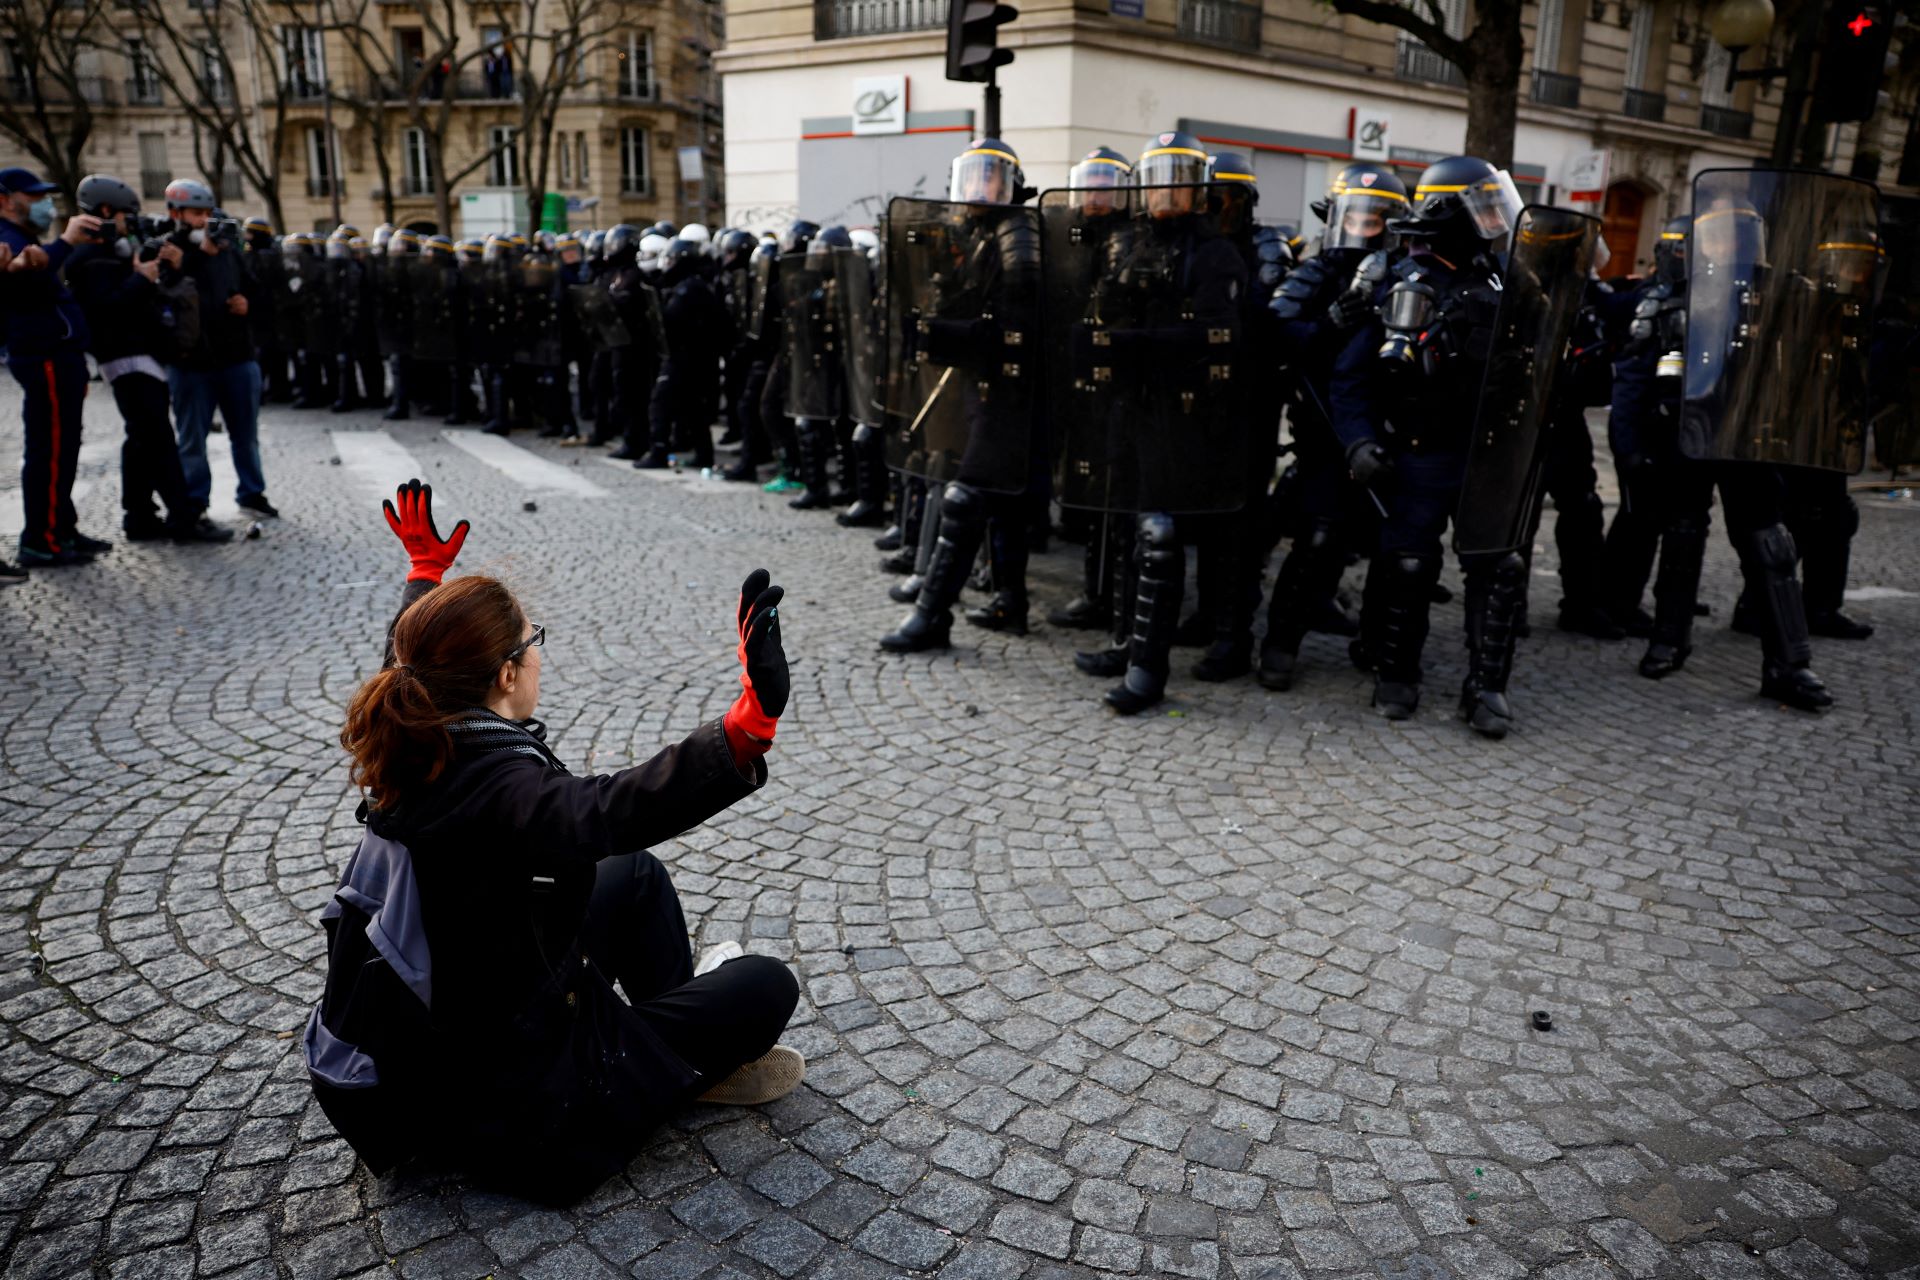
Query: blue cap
pixel 24 182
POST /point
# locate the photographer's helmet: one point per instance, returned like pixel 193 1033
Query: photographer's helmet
pixel 189 193
pixel 98 191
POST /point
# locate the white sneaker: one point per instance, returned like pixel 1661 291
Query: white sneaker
pixel 765 1079
pixel 716 956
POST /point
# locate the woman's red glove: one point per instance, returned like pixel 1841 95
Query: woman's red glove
pixel 413 524
pixel 764 683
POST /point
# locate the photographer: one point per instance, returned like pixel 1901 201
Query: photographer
pixel 219 370
pixel 46 338
pixel 134 326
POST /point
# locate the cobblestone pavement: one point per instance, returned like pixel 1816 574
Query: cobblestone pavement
pixel 1237 990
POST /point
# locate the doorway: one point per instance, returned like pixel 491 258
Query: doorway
pixel 1620 220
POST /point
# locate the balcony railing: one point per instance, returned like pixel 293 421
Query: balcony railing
pixel 836 19
pixel 1555 89
pixel 1726 122
pixel 1414 61
pixel 639 90
pixel 1641 105
pixel 325 186
pixel 25 88
pixel 301 89
pixel 477 86
pixel 144 93
pixel 1226 23
pixel 416 184
pixel 153 183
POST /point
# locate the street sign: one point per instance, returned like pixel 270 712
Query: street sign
pixel 1587 177
pixel 880 105
pixel 1370 134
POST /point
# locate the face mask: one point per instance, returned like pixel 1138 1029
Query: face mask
pixel 40 213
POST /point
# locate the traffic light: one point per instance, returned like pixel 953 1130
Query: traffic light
pixel 973 33
pixel 1853 60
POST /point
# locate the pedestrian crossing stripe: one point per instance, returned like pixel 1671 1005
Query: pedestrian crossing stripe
pixel 531 471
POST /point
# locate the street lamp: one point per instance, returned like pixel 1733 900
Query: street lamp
pixel 1738 25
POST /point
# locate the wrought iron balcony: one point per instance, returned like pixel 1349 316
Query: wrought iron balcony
pixel 1641 105
pixel 1414 61
pixel 839 19
pixel 1555 89
pixel 1726 122
pixel 144 93
pixel 1226 23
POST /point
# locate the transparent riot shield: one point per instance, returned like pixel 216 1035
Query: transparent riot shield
pixel 1781 278
pixel 487 288
pixel 807 325
pixel 536 313
pixel 762 271
pixel 736 290
pixel 859 320
pixel 598 318
pixel 963 341
pixel 1145 296
pixel 1548 258
pixel 436 330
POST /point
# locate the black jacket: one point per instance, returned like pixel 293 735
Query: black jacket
pixel 539 1078
pixel 124 309
pixel 225 339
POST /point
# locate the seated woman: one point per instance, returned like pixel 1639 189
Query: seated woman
pixel 469 1015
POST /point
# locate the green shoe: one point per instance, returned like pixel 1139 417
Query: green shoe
pixel 781 484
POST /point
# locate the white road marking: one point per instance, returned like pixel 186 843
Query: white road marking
pixel 530 470
pixel 1880 593
pixel 375 461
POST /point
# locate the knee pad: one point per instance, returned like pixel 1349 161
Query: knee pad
pixel 864 434
pixel 1508 570
pixel 1414 568
pixel 1156 531
pixel 1773 548
pixel 963 503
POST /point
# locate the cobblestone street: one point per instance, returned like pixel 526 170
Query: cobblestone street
pixel 1240 989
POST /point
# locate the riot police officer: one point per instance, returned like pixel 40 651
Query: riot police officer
pixel 394 323
pixel 1404 394
pixel 262 262
pixel 975 320
pixel 779 427
pixel 633 368
pixel 699 333
pixel 1319 306
pixel 816 376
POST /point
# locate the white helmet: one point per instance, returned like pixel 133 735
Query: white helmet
pixel 695 232
pixel 864 239
pixel 652 245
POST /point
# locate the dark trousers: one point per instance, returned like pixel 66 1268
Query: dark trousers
pixel 637 935
pixel 149 457
pixel 55 389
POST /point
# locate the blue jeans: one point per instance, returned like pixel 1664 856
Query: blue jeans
pixel 235 391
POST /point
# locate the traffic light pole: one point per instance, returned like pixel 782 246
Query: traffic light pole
pixel 990 109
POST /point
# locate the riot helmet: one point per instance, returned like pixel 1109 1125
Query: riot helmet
pixel 865 239
pixel 543 240
pixel 189 193
pixel 695 234
pixel 382 237
pixel 798 235
pixel 677 258
pixel 439 248
pixel 296 245
pixel 593 245
pixel 735 248
pixel 470 249
pixel 1360 200
pixel 1462 194
pixel 403 243
pixel 340 242
pixel 620 244
pixel 1670 250
pixel 499 249
pixel 1171 160
pixel 1731 235
pixel 834 237
pixel 1236 188
pixel 1850 260
pixel 358 247
pixel 662 228
pixel 652 245
pixel 568 242
pixel 1093 180
pixel 987 172
pixel 259 232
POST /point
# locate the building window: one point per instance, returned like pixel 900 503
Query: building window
pixel 636 175
pixel 1640 47
pixel 143 83
pixel 586 175
pixel 1414 61
pixel 213 74
pixel 1713 81
pixel 419 163
pixel 636 66
pixel 565 151
pixel 304 56
pixel 504 169
pixel 153 166
pixel 323 161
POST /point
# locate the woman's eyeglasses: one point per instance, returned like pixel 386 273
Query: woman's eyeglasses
pixel 534 641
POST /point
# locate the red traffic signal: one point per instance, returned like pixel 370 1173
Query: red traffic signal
pixel 1853 62
pixel 973 34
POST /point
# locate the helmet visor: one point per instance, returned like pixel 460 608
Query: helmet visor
pixel 1851 267
pixel 1494 204
pixel 1171 167
pixel 1730 236
pixel 1357 217
pixel 981 176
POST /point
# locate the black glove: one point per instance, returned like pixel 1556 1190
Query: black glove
pixel 1367 460
pixel 1349 309
pixel 763 661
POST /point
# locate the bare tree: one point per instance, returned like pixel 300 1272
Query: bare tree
pixel 46 104
pixel 195 63
pixel 1489 58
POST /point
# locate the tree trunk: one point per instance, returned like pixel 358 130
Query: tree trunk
pixel 1493 86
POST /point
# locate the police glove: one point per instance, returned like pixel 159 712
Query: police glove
pixel 1350 308
pixel 1367 460
pixel 764 681
pixel 410 516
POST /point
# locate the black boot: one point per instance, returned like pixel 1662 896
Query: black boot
pixel 1305 582
pixel 1832 520
pixel 1007 545
pixel 1495 596
pixel 1162 564
pixel 1235 590
pixel 1786 671
pixel 343 384
pixel 962 525
pixel 1683 548
pixel 894 536
pixel 813 466
pixel 1123 577
pixel 1398 632
pixel 1090 609
pixel 869 509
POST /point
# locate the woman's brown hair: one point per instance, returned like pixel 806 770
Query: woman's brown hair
pixel 447 648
